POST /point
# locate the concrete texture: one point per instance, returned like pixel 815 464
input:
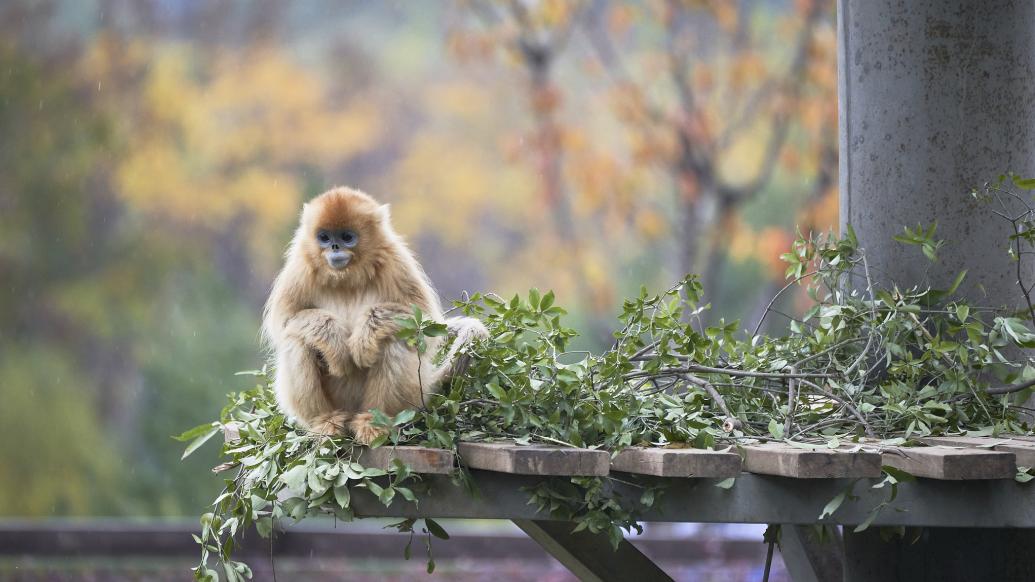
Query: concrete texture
pixel 937 97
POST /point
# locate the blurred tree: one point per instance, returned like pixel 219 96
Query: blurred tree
pixel 721 63
pixel 710 94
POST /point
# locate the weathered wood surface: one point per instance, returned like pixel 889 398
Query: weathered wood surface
pixel 819 463
pixel 419 459
pixel 950 463
pixel 1022 448
pixel 535 459
pixel 946 458
pixel 677 462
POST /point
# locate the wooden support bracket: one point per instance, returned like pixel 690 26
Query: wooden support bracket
pixel 590 556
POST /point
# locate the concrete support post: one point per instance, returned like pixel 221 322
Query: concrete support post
pixel 936 97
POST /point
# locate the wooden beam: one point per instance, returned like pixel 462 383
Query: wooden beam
pixel 819 463
pixel 534 460
pixel 677 462
pixel 589 556
pixel 938 462
pixel 1023 449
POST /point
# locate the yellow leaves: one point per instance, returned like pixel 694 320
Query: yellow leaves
pixel 263 104
pixel 208 142
pixel 459 99
pixel 446 186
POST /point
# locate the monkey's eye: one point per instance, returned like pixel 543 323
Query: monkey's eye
pixel 323 237
pixel 349 238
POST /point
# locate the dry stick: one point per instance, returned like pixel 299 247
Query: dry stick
pixel 851 407
pixel 772 302
pixel 1009 389
pixel 731 421
pixel 792 395
pixel 873 316
pixel 753 374
pixel 948 362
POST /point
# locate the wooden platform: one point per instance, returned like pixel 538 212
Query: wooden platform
pixel 949 458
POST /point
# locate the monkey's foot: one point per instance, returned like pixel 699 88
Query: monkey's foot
pixel 330 424
pixel 363 428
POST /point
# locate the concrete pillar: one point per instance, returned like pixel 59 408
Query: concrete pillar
pixel 936 97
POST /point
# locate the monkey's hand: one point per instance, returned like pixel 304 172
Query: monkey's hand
pixel 363 428
pixel 330 424
pixel 378 328
pixel 322 331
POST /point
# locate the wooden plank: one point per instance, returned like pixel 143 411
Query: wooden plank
pixel 534 460
pixel 1024 450
pixel 940 462
pixel 677 462
pixel 820 463
pixel 419 459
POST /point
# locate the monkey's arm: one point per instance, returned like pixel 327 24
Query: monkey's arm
pixel 300 392
pixel 324 332
pixel 378 326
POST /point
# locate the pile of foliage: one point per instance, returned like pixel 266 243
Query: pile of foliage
pixel 864 366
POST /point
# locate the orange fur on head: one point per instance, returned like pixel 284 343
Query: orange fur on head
pixel 344 208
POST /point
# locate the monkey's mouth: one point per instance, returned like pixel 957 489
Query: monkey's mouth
pixel 338 260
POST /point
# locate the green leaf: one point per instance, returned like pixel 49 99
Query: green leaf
pixel 868 521
pixel 647 499
pixel 956 282
pixel 213 431
pixel 295 477
pixel 833 504
pixel 404 417
pixel 435 529
pixel 776 429
pixel 342 496
pixel 726 483
pixel 1024 183
pixel 195 432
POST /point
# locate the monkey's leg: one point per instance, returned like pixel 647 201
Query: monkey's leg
pixel 392 385
pixel 325 332
pixel 368 340
pixel 299 390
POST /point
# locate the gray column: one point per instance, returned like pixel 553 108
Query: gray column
pixel 936 96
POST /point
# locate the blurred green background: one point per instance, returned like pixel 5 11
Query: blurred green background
pixel 154 155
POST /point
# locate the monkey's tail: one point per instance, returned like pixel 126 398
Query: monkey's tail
pixel 465 330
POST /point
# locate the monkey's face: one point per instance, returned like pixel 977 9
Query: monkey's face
pixel 343 234
pixel 336 246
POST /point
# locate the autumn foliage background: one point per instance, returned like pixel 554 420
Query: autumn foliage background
pixel 154 155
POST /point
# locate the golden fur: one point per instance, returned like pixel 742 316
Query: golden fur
pixel 332 331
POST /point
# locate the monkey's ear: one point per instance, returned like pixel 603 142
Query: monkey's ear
pixel 384 212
